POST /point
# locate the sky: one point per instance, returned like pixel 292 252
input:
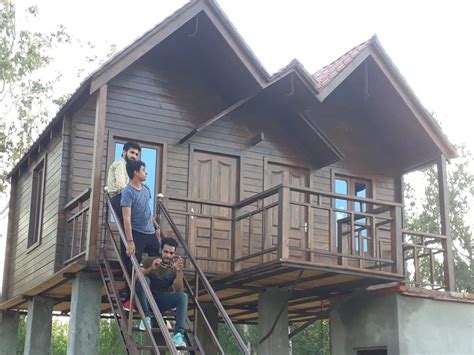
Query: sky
pixel 431 42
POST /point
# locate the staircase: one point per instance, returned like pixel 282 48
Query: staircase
pixel 202 289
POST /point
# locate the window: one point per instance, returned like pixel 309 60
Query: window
pixel 351 186
pixel 36 207
pixel 151 155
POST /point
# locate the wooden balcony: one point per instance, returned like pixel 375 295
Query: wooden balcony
pixel 296 225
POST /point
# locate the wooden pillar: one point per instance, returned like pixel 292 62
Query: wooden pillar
pixel 284 223
pixel 236 241
pixel 7 262
pixel 94 203
pixel 396 240
pixel 445 228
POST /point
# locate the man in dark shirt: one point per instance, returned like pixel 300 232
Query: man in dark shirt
pixel 165 277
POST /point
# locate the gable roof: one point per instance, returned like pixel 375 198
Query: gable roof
pixel 321 83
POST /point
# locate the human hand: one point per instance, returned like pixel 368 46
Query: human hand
pixel 130 247
pixel 178 264
pixel 158 233
pixel 156 263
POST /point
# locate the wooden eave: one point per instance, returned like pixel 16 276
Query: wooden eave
pixel 166 28
pixel 378 54
pixel 294 71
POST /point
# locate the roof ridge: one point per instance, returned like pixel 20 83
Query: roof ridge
pixel 326 74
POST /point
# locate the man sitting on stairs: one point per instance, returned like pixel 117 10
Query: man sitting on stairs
pixel 164 274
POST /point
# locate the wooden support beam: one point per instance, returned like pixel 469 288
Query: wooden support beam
pixel 284 223
pixel 217 117
pixel 257 139
pixel 445 227
pixel 94 210
pixel 396 240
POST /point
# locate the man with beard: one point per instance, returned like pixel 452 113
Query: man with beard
pixel 117 177
pixel 165 278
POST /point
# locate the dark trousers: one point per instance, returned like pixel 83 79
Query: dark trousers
pixel 144 243
pixel 166 301
pixel 115 200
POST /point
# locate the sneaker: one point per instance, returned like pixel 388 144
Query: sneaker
pixel 178 340
pixel 126 305
pixel 142 324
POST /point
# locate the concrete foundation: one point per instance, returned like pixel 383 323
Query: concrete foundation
pixel 8 332
pixel 38 326
pixel 403 325
pixel 203 334
pixel 270 303
pixel 83 336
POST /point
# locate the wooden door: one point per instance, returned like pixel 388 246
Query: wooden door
pixel 298 177
pixel 215 178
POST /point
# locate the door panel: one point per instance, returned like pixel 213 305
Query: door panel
pixel 297 177
pixel 214 178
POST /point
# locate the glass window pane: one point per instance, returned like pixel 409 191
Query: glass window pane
pixel 341 187
pixel 148 155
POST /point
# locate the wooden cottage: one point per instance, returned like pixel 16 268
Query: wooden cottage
pixel 291 181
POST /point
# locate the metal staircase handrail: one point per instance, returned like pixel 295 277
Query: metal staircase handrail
pixel 204 280
pixel 141 278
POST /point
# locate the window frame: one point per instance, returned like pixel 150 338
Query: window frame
pixel 35 233
pixel 351 181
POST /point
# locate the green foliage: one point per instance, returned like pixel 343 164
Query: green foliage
pixel 313 340
pixel 109 341
pixel 461 196
pixel 24 95
pixel 248 333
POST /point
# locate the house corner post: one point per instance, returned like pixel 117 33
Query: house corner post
pixel 445 226
pixel 98 151
pixel 8 332
pixel 39 326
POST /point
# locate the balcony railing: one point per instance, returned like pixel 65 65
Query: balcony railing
pixel 424 259
pixel 77 215
pixel 294 224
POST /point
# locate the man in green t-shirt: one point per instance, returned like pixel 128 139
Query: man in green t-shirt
pixel 165 277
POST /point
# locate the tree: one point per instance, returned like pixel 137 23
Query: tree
pixel 24 95
pixel 28 77
pixel 423 215
pixel 312 340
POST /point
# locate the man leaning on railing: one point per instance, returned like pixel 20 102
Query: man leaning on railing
pixel 162 275
pixel 141 229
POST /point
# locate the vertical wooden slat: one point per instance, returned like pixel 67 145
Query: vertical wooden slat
pixel 445 227
pixel 99 131
pixel 416 265
pixel 236 251
pixel 309 232
pixel 396 239
pixel 284 223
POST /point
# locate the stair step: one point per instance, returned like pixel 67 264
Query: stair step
pixel 162 347
pixel 158 330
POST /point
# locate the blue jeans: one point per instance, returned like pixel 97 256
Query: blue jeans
pixel 166 301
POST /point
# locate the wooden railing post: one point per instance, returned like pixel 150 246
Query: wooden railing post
pixel 396 246
pixel 445 227
pixel 284 222
pixel 236 248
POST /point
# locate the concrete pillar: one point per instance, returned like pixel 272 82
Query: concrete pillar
pixel 203 334
pixel 270 303
pixel 8 332
pixel 83 336
pixel 38 326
